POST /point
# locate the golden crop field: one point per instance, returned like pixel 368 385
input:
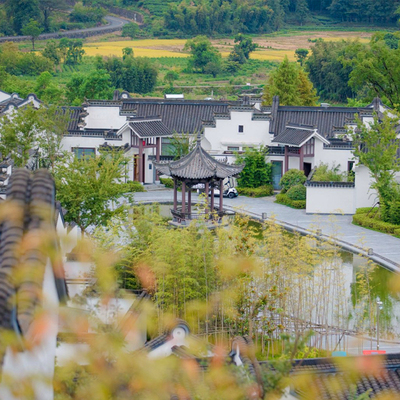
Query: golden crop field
pixel 272 48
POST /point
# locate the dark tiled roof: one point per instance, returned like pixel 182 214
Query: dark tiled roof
pixel 349 377
pixel 182 116
pixel 29 286
pixel 74 117
pixel 294 136
pixel 198 165
pixel 324 118
pixel 150 128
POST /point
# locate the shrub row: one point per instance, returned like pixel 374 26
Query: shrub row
pixel 133 186
pixel 167 182
pixel 360 218
pixel 283 199
pixel 262 191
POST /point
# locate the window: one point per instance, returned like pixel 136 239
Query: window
pixel 233 148
pixel 82 152
pixel 241 129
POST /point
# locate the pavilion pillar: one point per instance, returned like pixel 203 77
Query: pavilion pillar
pixel 207 190
pixel 286 158
pixel 212 199
pixel 183 197
pixel 158 153
pixel 140 162
pixel 221 197
pixel 301 158
pixel 175 195
pixel 190 202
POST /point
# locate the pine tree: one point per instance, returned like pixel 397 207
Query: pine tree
pixel 302 10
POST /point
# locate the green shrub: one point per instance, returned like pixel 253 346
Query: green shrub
pixel 133 186
pixel 262 191
pixel 297 192
pixel 325 174
pixel 167 182
pixel 291 178
pixel 397 232
pixel 363 210
pixel 374 223
pixel 394 212
pixel 284 199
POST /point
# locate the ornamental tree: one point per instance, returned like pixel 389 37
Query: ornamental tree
pixel 256 172
pixel 376 146
pixel 87 187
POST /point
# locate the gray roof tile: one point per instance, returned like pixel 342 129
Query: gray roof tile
pixel 198 165
pixel 182 116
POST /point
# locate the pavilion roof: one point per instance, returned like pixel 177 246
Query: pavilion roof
pixel 198 165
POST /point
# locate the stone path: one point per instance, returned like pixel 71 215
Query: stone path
pixel 385 248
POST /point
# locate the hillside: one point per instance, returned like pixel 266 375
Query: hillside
pixel 217 17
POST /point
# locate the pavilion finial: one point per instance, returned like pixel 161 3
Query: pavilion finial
pixel 198 138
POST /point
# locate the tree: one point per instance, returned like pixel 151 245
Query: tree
pixel 130 30
pixel 376 146
pixel 378 69
pixel 47 90
pixel 202 53
pixel 302 10
pixel 47 6
pixel 21 12
pixel 127 52
pixel 180 145
pixel 31 128
pixel 171 76
pixel 307 92
pixel 74 51
pixel 52 52
pixel 291 84
pixel 301 55
pixel 257 172
pixel 329 69
pixel 242 49
pixel 33 30
pixel 96 85
pixel 86 187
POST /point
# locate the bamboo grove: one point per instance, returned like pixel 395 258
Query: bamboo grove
pixel 244 279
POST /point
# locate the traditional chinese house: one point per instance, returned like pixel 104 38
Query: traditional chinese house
pixel 198 167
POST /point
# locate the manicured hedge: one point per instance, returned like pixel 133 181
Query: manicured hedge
pixel 362 219
pixel 283 199
pixel 262 191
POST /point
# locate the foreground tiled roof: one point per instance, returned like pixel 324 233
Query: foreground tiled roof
pixel 182 116
pixel 198 165
pixel 29 286
pixel 348 377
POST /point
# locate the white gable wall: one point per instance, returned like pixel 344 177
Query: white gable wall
pixel 226 133
pixel 4 96
pixel 106 117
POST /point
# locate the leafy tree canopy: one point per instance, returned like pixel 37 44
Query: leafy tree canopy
pixel 291 84
pixel 86 187
pixel 257 172
pixel 202 53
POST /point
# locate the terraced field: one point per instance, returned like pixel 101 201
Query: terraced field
pixel 272 48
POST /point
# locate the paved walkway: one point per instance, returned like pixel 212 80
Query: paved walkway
pixel 386 248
